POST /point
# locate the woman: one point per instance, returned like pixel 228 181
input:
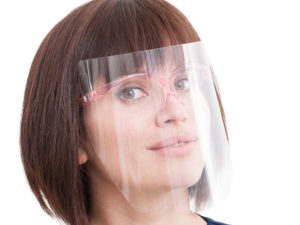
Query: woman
pixel 122 120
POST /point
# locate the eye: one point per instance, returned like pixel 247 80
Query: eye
pixel 131 94
pixel 182 84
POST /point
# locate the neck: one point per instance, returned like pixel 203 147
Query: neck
pixel 108 206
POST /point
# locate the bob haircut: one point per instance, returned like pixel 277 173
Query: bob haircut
pixel 52 127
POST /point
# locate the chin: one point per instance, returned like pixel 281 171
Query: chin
pixel 180 178
pixel 186 180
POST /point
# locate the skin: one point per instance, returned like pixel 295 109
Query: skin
pixel 130 184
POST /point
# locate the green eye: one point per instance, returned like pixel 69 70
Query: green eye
pixel 182 84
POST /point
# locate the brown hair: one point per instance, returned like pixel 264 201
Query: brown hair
pixel 52 128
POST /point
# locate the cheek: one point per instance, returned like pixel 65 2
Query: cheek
pixel 199 115
pixel 103 129
pixel 117 138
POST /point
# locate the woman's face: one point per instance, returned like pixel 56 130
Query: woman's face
pixel 144 130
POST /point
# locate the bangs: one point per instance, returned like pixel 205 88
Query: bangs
pixel 128 26
pixel 124 26
pixel 109 68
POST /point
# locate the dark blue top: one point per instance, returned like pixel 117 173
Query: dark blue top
pixel 211 221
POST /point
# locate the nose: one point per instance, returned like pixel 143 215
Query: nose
pixel 171 112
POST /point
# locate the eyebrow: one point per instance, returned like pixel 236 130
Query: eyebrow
pixel 108 86
pixel 180 69
pixel 174 72
pixel 116 82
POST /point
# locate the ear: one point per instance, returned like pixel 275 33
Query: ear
pixel 82 156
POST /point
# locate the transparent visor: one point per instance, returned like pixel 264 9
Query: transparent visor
pixel 155 127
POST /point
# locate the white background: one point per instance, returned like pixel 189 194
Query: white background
pixel 254 47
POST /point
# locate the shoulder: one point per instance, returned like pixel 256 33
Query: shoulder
pixel 212 222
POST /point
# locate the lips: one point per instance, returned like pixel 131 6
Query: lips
pixel 173 142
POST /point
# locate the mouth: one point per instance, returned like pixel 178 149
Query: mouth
pixel 175 146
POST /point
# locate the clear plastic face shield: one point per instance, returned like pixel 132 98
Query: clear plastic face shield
pixel 154 122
